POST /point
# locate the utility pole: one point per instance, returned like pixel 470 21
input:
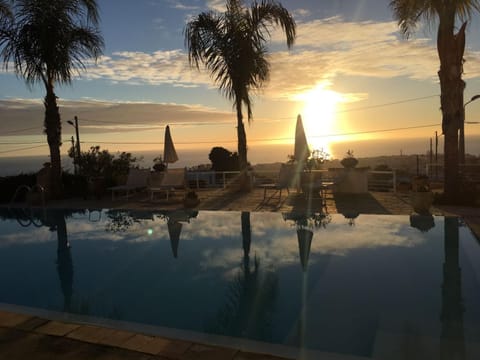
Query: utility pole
pixel 74 156
pixel 436 155
pixel 75 125
pixel 461 138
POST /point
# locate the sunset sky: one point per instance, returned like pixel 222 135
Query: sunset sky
pixel 349 72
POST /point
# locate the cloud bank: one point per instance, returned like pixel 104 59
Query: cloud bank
pixel 324 49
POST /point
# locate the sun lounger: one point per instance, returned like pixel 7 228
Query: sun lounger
pixel 173 179
pixel 137 180
pixel 284 181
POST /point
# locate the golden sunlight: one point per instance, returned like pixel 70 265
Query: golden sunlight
pixel 319 115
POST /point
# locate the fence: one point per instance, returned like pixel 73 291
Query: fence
pixel 377 180
pixel 469 172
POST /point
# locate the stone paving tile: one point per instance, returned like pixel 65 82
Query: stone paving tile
pixel 20 345
pixel 89 333
pixel 253 356
pixel 31 324
pixel 173 349
pixel 205 352
pixel 116 337
pixel 140 343
pixel 56 328
pixel 9 319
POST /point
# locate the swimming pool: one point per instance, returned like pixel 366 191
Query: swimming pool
pixel 369 285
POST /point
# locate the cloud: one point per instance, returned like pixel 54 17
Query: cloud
pixel 324 49
pixel 330 47
pixel 299 13
pixel 104 116
pixel 217 5
pixel 180 6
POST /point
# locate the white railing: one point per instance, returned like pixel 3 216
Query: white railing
pixel 377 180
pixel 382 180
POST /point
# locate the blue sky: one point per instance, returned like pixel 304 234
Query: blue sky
pixel 348 53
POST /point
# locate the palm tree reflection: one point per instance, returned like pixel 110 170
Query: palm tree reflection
pixel 64 258
pixel 452 335
pixel 250 297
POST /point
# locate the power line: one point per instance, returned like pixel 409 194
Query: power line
pixel 19 130
pixel 26 148
pixel 229 141
pixel 388 104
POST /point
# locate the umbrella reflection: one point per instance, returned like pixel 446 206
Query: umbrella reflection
pixel 305 224
pixel 175 220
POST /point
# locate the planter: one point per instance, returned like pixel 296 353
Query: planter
pixel 311 183
pixel 421 222
pixel 191 200
pixel 350 181
pixel 349 162
pixel 421 201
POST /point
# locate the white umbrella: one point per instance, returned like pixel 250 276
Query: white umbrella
pixel 301 151
pixel 169 153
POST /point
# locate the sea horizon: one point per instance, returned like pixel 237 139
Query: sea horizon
pixel 257 154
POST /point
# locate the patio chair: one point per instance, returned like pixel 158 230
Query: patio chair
pixel 173 179
pixel 136 180
pixel 284 181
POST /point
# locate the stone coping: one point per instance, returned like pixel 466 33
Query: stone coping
pixel 145 339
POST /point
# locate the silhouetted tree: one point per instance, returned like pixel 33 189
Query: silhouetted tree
pixel 232 47
pixel 450 46
pixel 223 160
pixel 47 42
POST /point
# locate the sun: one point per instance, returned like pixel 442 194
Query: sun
pixel 319 115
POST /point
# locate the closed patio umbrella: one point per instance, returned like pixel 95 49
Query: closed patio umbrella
pixel 301 150
pixel 169 153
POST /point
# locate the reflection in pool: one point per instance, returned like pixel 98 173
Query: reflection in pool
pixel 373 286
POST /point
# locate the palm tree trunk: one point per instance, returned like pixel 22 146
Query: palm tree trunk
pixel 242 148
pixel 242 138
pixel 451 49
pixel 53 130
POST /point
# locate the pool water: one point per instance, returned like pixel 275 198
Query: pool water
pixel 370 285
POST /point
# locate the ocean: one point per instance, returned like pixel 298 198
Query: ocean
pixel 257 154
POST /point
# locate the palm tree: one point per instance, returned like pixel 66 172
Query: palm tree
pixel 4 9
pixel 451 47
pixel 48 43
pixel 232 46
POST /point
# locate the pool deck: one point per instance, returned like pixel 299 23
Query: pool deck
pixel 27 336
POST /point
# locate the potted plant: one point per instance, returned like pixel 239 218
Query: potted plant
pixel 191 199
pixel 349 161
pixel 421 196
pixel 310 179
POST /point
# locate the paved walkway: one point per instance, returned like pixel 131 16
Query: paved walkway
pixel 30 337
pixel 25 337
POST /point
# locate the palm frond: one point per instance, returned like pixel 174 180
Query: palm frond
pixel 232 46
pixel 50 39
pixel 409 13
